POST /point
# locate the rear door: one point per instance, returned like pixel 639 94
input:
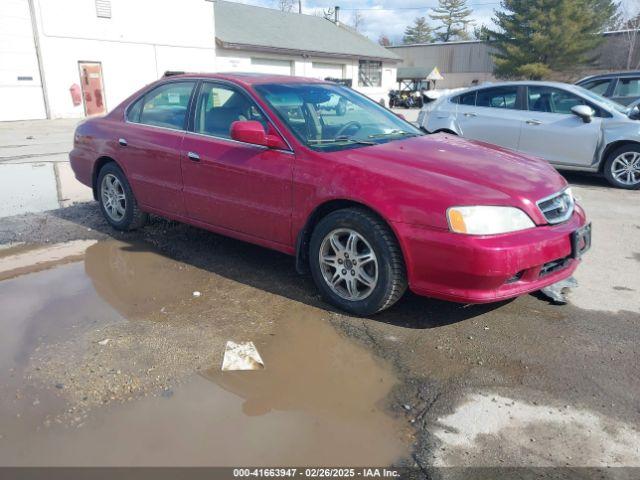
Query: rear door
pixel 493 116
pixel 150 144
pixel 554 133
pixel 238 186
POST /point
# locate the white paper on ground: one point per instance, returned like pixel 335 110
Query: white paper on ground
pixel 241 356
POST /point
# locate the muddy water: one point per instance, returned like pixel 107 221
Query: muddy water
pixel 107 358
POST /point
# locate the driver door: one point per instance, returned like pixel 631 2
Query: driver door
pixel 553 132
pixel 238 186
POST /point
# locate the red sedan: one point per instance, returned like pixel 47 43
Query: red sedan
pixel 364 200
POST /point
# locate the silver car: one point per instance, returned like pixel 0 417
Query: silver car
pixel 569 126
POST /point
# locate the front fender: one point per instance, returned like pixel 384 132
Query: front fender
pixel 614 135
pixel 439 121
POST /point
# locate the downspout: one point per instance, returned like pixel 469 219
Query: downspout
pixel 36 42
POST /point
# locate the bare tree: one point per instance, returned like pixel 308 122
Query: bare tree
pixel 329 13
pixel 384 40
pixel 357 20
pixel 285 5
pixel 631 27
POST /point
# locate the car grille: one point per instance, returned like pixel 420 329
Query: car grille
pixel 558 207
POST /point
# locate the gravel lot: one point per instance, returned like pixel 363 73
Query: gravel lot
pixel 108 357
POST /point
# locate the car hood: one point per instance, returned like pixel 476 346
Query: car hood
pixel 453 171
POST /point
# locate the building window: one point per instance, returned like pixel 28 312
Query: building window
pixel 103 8
pixel 370 73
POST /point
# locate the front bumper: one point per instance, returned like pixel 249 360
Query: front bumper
pixel 484 269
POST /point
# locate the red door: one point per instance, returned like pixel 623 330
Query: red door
pixel 149 146
pixel 237 186
pixel 92 88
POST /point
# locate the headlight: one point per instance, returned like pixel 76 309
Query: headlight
pixel 486 220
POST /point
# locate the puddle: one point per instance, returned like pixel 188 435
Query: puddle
pixel 38 186
pixel 24 258
pixel 487 429
pixel 154 393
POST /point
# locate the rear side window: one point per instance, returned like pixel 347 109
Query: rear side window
pixel 499 97
pixel 597 86
pixel 627 87
pixel 466 99
pixel 165 106
pixel 133 114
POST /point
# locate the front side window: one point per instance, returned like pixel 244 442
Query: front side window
pixel 369 73
pixel 332 117
pixel 552 100
pixel 165 106
pixel 499 97
pixel 218 106
pixel 627 87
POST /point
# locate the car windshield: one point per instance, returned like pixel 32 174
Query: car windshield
pixel 331 117
pixel 599 98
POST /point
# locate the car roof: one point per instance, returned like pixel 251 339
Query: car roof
pixel 566 86
pixel 247 78
pixel 610 75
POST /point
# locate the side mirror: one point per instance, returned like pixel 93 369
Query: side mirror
pixel 251 131
pixel 634 113
pixel 584 112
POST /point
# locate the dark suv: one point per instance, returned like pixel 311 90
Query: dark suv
pixel 621 87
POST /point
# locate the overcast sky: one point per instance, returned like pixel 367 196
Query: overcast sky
pixel 390 17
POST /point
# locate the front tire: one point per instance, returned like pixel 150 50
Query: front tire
pixel 356 262
pixel 117 203
pixel 622 168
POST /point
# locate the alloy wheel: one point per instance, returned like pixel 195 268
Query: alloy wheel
pixel 114 199
pixel 348 264
pixel 625 168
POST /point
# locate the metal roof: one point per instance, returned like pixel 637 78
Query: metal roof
pixel 247 27
pixel 413 73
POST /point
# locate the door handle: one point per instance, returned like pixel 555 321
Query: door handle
pixel 122 142
pixel 193 156
pixel 469 114
pixel 534 122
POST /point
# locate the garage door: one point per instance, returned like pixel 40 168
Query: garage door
pixel 327 70
pixel 266 65
pixel 20 88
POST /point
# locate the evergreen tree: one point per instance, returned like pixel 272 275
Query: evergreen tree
pixel 536 37
pixel 454 17
pixel 419 32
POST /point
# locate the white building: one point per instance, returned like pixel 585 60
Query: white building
pixel 74 58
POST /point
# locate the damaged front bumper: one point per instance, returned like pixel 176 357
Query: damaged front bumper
pixel 483 269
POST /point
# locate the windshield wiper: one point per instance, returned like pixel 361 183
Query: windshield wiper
pixel 393 132
pixel 339 139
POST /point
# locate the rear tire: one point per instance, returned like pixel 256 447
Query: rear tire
pixel 376 280
pixel 622 168
pixel 116 199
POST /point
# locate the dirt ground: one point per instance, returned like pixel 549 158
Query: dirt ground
pixel 112 345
